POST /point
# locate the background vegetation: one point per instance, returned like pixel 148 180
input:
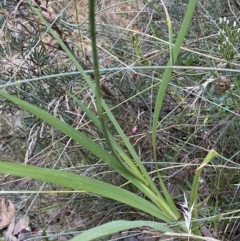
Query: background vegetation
pixel 200 112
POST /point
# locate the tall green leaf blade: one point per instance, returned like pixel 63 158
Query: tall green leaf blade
pixel 195 187
pixel 67 130
pixel 163 88
pixel 119 149
pixel 133 152
pixel 169 199
pixel 82 183
pixel 167 206
pixel 167 73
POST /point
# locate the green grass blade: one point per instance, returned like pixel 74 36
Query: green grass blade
pixel 118 226
pixel 158 200
pixel 67 130
pixel 97 75
pixel 96 150
pixel 167 73
pixel 133 153
pixel 82 183
pixel 169 199
pixel 152 193
pixel 194 190
pixel 163 88
pixel 119 149
pixel 65 48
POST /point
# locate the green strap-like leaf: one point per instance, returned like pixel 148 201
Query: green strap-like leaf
pixel 82 183
pixel 195 186
pixel 117 226
pixel 167 73
pixel 66 129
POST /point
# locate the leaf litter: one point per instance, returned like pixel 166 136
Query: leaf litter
pixel 8 220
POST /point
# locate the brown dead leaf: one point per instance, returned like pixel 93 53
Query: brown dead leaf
pixel 18 230
pixel 7 213
pixel 21 224
pixel 9 233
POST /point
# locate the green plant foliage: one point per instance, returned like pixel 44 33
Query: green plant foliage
pixel 118 120
pixel 228 39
